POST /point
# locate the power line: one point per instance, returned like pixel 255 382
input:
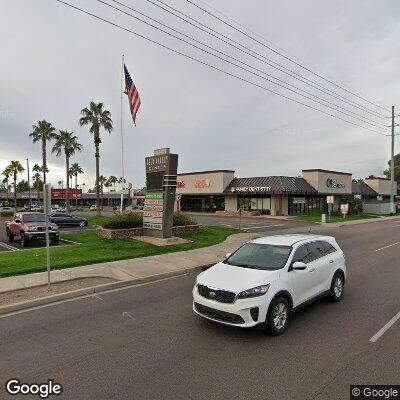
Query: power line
pixel 278 47
pixel 284 56
pixel 264 59
pixel 296 91
pixel 214 67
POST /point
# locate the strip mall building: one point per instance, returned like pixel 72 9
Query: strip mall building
pixel 219 190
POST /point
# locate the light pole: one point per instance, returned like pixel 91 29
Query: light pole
pixel 29 185
pixel 83 191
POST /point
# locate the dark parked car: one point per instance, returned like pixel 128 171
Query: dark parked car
pixel 64 219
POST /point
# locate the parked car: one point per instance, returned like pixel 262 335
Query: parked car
pixel 64 219
pixel 6 209
pixel 93 207
pixel 30 226
pixel 267 279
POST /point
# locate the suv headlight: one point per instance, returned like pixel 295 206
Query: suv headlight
pixel 254 292
pixel 31 228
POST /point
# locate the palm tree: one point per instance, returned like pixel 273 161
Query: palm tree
pixel 68 143
pixel 15 167
pixel 113 180
pixel 37 182
pixel 37 169
pixel 108 184
pixel 96 117
pixel 43 132
pixel 6 174
pixel 102 181
pixel 74 171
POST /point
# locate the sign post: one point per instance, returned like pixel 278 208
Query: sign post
pixel 161 176
pixel 47 212
pixel 329 201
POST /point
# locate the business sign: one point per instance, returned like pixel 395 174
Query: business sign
pixel 344 209
pixel 153 211
pixel 334 184
pixel 379 197
pixel 180 185
pixel 329 199
pixel 156 163
pixel 203 184
pixel 62 193
pixel 251 189
pixel 299 200
pixel 357 196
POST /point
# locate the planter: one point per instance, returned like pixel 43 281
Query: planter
pixel 132 232
pixel 237 214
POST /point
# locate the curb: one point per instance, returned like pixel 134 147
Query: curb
pixel 56 298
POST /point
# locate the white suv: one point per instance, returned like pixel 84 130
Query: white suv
pixel 267 279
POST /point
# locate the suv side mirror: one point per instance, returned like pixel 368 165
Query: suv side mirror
pixel 17 220
pixel 299 266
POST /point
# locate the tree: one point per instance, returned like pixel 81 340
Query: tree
pixel 22 186
pixel 7 174
pixel 37 182
pixel 15 167
pixel 108 184
pixel 97 118
pixel 43 132
pixel 68 143
pixel 396 169
pixel 74 171
pixel 102 181
pixel 112 181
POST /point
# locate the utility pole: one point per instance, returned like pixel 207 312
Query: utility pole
pixel 29 185
pixel 392 193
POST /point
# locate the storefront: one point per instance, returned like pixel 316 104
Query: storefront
pixel 211 191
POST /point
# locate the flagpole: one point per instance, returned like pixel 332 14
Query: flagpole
pixel 122 139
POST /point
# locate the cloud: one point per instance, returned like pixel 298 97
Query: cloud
pixel 58 60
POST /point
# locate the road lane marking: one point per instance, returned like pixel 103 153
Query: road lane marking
pixel 129 315
pixel 386 247
pixel 378 334
pixel 8 247
pixel 262 227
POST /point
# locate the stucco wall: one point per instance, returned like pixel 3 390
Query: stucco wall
pixel 203 183
pixel 381 186
pixel 377 208
pixel 324 181
pixel 230 203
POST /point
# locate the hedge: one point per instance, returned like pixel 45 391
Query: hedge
pixel 135 220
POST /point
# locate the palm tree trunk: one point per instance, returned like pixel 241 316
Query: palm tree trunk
pixel 44 158
pixel 7 192
pixel 67 194
pixel 15 191
pixel 76 191
pixel 102 196
pixel 97 155
pixel 108 197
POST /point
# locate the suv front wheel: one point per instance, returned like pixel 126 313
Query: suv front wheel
pixel 337 286
pixel 278 316
pixel 24 240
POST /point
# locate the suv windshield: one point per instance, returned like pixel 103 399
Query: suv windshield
pixel 260 256
pixel 34 218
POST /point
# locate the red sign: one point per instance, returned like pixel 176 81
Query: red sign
pixel 180 185
pixel 62 194
pixel 203 184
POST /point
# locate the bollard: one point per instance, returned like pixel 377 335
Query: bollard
pixel 323 218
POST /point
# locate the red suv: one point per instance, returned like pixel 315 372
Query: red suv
pixel 31 226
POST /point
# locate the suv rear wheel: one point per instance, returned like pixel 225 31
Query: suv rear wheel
pixel 278 316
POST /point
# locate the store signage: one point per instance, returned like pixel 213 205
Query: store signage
pixel 357 196
pixel 251 189
pixel 203 184
pixel 334 184
pixel 180 185
pixel 329 199
pixel 161 152
pixel 299 200
pixel 62 193
pixel 379 198
pixel 156 163
pixel 153 211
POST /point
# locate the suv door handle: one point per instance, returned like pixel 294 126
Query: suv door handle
pixel 330 261
pixel 312 269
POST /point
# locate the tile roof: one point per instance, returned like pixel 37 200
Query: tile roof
pixel 363 189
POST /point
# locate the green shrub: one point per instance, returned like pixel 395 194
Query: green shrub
pixel 135 220
pixel 355 205
pixel 6 214
pixel 183 219
pixel 124 221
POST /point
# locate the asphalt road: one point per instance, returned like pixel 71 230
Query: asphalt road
pixel 145 342
pixel 250 224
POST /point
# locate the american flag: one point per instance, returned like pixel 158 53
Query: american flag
pixel 133 95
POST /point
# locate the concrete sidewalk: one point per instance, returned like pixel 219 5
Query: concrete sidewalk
pixel 136 268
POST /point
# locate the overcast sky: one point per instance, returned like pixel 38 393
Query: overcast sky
pixel 54 60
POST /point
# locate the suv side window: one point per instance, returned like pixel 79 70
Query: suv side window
pixel 301 254
pixel 328 247
pixel 316 250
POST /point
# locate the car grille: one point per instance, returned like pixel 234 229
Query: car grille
pixel 222 296
pixel 219 315
pixel 41 228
